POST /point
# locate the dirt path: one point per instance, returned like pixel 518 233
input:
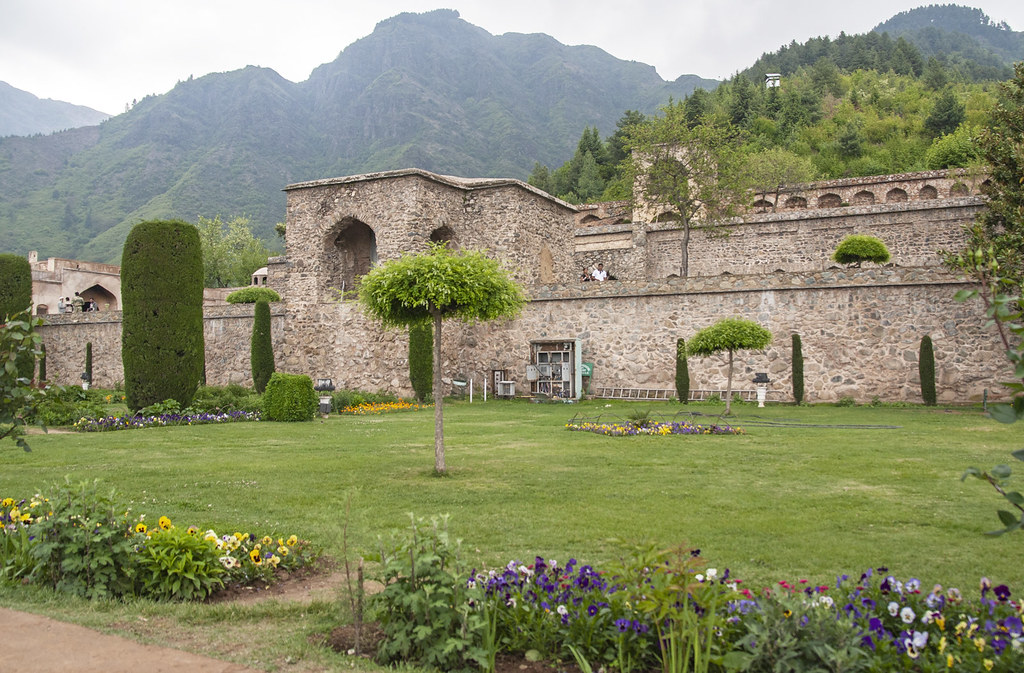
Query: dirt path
pixel 34 644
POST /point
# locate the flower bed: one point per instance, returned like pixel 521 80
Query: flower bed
pixel 631 429
pixel 372 408
pixel 81 542
pixel 110 423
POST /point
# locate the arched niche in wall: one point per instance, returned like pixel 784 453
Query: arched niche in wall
pixel 762 204
pixel 104 298
pixel 351 253
pixel 863 198
pixel 795 203
pixel 444 234
pixel 928 192
pixel 667 216
pixel 959 189
pixel 896 195
pixel 830 200
pixel 587 219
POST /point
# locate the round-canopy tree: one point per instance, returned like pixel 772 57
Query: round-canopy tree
pixel 857 248
pixel 731 334
pixel 162 346
pixel 435 285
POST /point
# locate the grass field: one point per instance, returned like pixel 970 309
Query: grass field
pixel 808 492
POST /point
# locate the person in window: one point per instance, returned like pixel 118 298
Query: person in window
pixel 600 273
pixel 585 276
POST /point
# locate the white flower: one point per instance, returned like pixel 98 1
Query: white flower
pixel 826 601
pixel 907 615
pixel 562 610
pixel 699 578
pixel 712 573
pixel 894 608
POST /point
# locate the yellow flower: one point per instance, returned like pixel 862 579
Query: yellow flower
pixel 949 661
pixel 274 560
pixel 267 540
pixel 140 527
pixel 942 645
pixel 164 523
pixel 282 550
pixel 254 556
pixel 7 502
pixel 980 644
pixel 988 664
pixel 193 530
pixel 292 541
pixel 14 513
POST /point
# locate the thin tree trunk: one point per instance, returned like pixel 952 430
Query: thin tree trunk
pixel 728 388
pixel 684 252
pixel 439 466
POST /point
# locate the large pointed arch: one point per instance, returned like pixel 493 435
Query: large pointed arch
pixel 350 253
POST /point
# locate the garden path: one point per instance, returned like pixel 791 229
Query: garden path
pixel 36 644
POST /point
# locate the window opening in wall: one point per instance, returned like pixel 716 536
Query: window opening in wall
pixel 443 235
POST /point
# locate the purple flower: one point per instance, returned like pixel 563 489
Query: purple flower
pixel 1002 593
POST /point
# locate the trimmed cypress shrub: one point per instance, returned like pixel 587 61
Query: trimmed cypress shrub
pixel 421 359
pixel 926 369
pixel 261 350
pixel 88 361
pixel 682 373
pixel 798 370
pixel 15 285
pixel 162 346
pixel 857 248
pixel 42 362
pixel 251 295
pixel 16 297
pixel 289 397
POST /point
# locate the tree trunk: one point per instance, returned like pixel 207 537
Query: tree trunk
pixel 728 388
pixel 684 252
pixel 439 466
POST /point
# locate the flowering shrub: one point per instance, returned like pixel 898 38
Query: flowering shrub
pixel 81 541
pixel 368 408
pixel 652 428
pixel 109 423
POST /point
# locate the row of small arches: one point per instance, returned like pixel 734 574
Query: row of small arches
pixel 866 197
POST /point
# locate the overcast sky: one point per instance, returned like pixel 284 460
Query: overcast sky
pixel 105 53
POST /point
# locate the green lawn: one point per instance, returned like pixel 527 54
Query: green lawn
pixel 807 492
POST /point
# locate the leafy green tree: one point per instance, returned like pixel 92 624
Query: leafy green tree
pixel 768 171
pixel 617 141
pixel 18 397
pixel 958 149
pixel 947 114
pixel 421 359
pixel 730 335
pixel 682 373
pixel 261 349
pixel 798 369
pixel 436 285
pixel 1001 225
pixel 926 371
pixel 540 177
pixel 230 251
pixel 162 347
pixel 858 248
pixel 590 185
pixel 692 174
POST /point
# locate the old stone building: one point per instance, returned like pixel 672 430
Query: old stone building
pixel 861 328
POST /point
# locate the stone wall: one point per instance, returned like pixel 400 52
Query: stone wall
pixel 791 241
pixel 227 331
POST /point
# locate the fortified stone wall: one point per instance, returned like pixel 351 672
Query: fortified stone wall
pixel 226 329
pixel 791 241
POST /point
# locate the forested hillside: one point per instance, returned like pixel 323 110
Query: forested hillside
pixel 853 106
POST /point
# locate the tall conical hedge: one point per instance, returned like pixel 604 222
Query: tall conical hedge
pixel 162 345
pixel 798 370
pixel 682 373
pixel 261 350
pixel 926 369
pixel 88 362
pixel 16 297
pixel 421 359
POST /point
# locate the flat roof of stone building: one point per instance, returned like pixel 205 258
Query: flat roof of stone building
pixel 456 182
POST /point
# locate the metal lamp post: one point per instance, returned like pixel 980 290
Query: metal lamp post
pixel 761 380
pixel 324 386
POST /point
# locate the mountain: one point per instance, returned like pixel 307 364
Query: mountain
pixel 22 114
pixel 426 90
pixel 957 35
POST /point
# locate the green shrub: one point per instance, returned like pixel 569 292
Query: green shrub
pixel 798 370
pixel 353 398
pixel 88 362
pixel 66 405
pixel 218 399
pixel 251 295
pixel 421 359
pixel 261 350
pixel 926 370
pixel 846 402
pixel 162 326
pixel 682 373
pixel 83 548
pixel 857 248
pixel 289 397
pixel 174 564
